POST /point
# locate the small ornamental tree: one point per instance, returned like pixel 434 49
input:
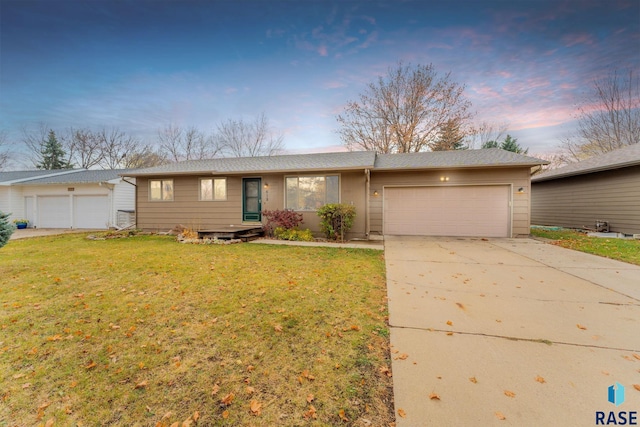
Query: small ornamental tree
pixel 286 219
pixel 6 229
pixel 336 219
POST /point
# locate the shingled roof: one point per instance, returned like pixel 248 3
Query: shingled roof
pixel 354 160
pixel 454 159
pixel 60 176
pixel 82 176
pixel 620 158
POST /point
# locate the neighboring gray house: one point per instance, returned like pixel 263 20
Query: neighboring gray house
pixel 76 198
pixel 604 187
pixel 446 193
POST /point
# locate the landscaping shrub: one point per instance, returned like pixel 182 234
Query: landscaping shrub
pixel 336 219
pixel 6 229
pixel 293 234
pixel 286 219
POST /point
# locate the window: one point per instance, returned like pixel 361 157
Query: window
pixel 161 189
pixel 308 193
pixel 213 189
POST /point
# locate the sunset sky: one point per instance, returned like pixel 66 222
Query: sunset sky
pixel 140 65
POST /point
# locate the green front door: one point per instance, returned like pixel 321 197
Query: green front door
pixel 251 200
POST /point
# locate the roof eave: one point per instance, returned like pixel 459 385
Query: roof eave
pixel 443 167
pixel 587 171
pixel 245 172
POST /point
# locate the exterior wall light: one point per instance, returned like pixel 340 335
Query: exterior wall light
pixel 521 190
pixel 266 186
pixel 444 178
pixel 375 193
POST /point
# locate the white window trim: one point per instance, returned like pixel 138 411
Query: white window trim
pixel 325 175
pixel 162 181
pixel 213 189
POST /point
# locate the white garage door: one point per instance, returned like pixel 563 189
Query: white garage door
pixel 54 212
pixel 91 212
pixel 448 211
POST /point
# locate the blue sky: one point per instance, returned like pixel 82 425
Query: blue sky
pixel 141 65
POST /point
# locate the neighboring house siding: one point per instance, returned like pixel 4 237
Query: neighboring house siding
pixel 187 210
pixel 579 201
pixel 517 177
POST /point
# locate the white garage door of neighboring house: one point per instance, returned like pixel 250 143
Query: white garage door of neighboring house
pixel 54 212
pixel 91 212
pixel 474 210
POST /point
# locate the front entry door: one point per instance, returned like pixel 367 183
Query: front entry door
pixel 251 200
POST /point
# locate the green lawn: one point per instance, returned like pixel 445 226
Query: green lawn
pixel 621 249
pixel 146 331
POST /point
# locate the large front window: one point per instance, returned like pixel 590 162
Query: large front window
pixel 161 189
pixel 308 193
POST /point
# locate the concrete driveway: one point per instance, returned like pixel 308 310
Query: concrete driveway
pixel 39 232
pixel 509 332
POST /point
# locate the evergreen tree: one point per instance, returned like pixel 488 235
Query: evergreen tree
pixel 450 137
pixel 491 144
pixel 511 144
pixel 53 156
pixel 6 229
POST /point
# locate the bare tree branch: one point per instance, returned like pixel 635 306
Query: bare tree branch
pixel 5 154
pixel 116 145
pixel 238 138
pixel 84 147
pixel 404 111
pixel 608 119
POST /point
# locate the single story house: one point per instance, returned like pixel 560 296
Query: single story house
pixel 604 187
pixel 73 198
pixel 448 193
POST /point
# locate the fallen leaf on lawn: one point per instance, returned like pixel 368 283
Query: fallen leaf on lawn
pixel 500 415
pixel 44 406
pixel 584 328
pixel 402 413
pixel 216 389
pixel 166 416
pixel 509 393
pixel 18 376
pixel 355 328
pixel 228 399
pixel 385 371
pixel 473 380
pixel 540 379
pixel 141 384
pixel 636 386
pixel 342 415
pixel 196 416
pixel 225 414
pixel 187 423
pixel 26 385
pixel 434 396
pixel 278 327
pixel 449 322
pixel 256 407
pixel 49 422
pixel 310 398
pixel 176 424
pixel 311 413
pixel 56 337
pixel 73 384
pixel 91 365
pixel 250 390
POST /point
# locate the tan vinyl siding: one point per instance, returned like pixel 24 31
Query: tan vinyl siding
pixel 517 177
pixel 579 201
pixel 188 210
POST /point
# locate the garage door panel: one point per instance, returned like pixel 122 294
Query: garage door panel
pixel 91 212
pixel 447 211
pixel 54 212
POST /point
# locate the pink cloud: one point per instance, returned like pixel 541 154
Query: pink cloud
pixel 322 50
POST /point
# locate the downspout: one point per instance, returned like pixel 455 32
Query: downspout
pixel 110 187
pixel 367 227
